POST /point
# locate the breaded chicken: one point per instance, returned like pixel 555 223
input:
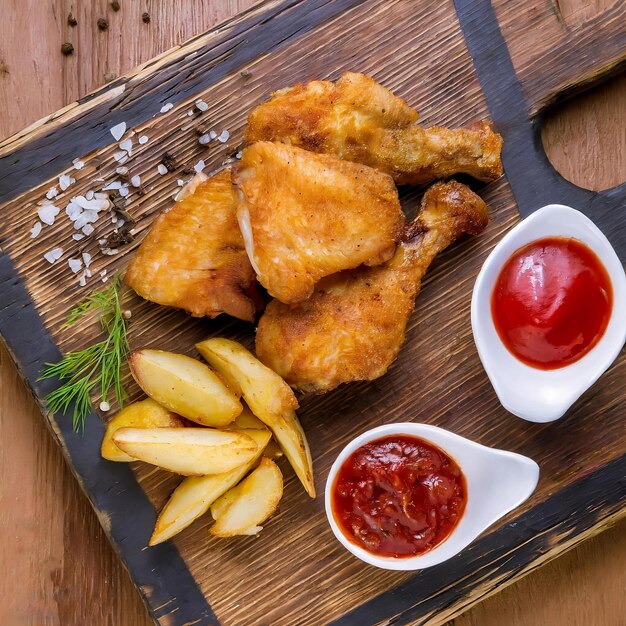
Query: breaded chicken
pixel 194 257
pixel 305 216
pixel 359 120
pixel 354 324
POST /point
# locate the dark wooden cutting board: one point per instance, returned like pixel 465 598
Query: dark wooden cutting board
pixel 455 62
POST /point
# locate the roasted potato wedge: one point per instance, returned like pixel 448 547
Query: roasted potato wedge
pixel 144 414
pixel 269 397
pixel 185 386
pixel 223 502
pixel 188 451
pixel 245 420
pixel 252 502
pixel 262 388
pixel 195 494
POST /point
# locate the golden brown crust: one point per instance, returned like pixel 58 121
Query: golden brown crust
pixel 305 216
pixel 353 326
pixel 194 257
pixel 359 120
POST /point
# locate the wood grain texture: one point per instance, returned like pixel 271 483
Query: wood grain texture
pixel 437 108
pixel 574 44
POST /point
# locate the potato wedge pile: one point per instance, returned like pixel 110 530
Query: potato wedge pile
pixel 228 455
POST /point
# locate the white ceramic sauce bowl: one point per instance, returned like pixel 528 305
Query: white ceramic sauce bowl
pixel 530 393
pixel 497 482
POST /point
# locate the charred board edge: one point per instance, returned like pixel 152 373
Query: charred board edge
pixel 135 98
pixel 523 155
pixel 502 556
pixel 160 574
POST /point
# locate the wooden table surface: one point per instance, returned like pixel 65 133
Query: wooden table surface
pixel 58 566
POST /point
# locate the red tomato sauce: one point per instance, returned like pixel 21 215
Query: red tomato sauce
pixel 552 302
pixel 398 496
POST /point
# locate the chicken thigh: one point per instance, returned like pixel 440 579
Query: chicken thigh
pixel 359 120
pixel 304 216
pixel 194 257
pixel 354 324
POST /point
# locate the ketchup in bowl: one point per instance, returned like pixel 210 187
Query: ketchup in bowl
pixel 398 496
pixel 552 302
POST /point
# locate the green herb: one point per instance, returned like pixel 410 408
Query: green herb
pixel 95 367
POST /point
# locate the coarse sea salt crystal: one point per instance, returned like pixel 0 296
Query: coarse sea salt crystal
pixel 35 230
pixel 118 130
pixel 121 156
pixel 81 201
pixel 116 184
pixel 124 191
pixel 65 181
pixel 168 106
pixel 86 258
pixel 180 182
pixel 53 192
pixel 212 134
pixel 83 281
pixel 135 181
pixel 78 164
pixel 98 204
pixel 122 171
pixel 88 229
pixel 143 140
pixel 238 155
pixel 202 106
pixel 162 169
pixel 224 136
pixel 127 145
pixel 199 166
pixel 75 265
pixel 104 406
pixel 73 211
pixel 90 215
pixel 190 112
pixel 48 213
pixel 53 255
pixel 119 223
pixel 204 140
pixel 78 236
pixel 90 195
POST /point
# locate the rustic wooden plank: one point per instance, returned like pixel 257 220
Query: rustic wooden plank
pixel 571 49
pixel 451 96
pixel 523 151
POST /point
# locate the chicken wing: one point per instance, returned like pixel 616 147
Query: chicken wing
pixel 359 120
pixel 305 216
pixel 194 257
pixel 353 326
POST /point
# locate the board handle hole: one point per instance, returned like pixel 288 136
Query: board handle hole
pixel 586 130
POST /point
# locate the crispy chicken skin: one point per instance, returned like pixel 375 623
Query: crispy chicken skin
pixel 305 216
pixel 194 257
pixel 353 326
pixel 359 120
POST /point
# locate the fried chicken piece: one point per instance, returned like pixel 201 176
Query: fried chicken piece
pixel 353 326
pixel 305 216
pixel 194 257
pixel 359 120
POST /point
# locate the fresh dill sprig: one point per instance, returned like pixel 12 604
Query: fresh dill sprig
pixel 98 365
